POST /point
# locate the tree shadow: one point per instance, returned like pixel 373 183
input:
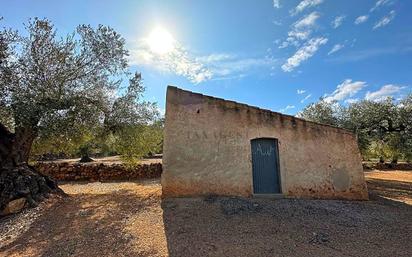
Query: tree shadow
pixel 99 225
pixel 381 189
pixel 83 225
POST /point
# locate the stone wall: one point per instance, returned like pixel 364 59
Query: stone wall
pixel 207 150
pixel 387 166
pixel 65 171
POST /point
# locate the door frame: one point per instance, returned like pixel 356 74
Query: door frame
pixel 275 195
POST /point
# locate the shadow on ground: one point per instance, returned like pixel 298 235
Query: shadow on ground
pixel 131 219
pixel 285 227
pixel 82 225
pixel 399 190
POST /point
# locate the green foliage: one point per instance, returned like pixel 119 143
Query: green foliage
pixel 322 112
pixel 57 144
pixel 6 118
pixel 383 128
pixel 129 127
pixel 50 79
pixel 77 140
pixel 66 92
pixel 134 142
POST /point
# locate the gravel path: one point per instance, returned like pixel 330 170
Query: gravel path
pixel 131 219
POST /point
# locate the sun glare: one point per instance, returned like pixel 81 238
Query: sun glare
pixel 160 41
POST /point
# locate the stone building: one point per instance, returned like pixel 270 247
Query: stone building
pixel 214 146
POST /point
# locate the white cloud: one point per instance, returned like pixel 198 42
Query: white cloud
pixel 353 42
pixel 216 66
pixel 379 4
pixel 385 20
pixel 304 53
pixel 301 30
pixel 287 108
pixel 306 98
pixel 384 92
pixel 363 54
pixel 352 100
pixel 361 19
pixel 338 21
pixel 276 4
pixel 227 66
pixel 345 90
pixel 218 57
pixel 300 91
pixel 307 21
pixel 294 37
pixel 305 4
pixel 177 61
pixel 240 65
pixel 336 48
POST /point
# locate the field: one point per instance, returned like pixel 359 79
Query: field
pixel 131 219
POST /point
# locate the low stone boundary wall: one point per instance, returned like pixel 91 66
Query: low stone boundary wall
pixel 64 171
pixel 388 166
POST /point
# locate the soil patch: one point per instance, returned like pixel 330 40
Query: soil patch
pixel 393 185
pixel 131 219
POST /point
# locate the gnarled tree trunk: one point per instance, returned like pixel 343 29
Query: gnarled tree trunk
pixel 17 178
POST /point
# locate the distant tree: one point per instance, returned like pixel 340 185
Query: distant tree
pixel 134 142
pixel 405 119
pixel 67 143
pixel 373 122
pixel 322 112
pixel 383 128
pixel 58 86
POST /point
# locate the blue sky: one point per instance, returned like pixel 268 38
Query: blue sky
pixel 279 55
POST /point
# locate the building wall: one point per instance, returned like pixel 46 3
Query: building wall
pixel 207 150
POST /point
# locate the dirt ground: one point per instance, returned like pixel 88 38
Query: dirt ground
pixel 131 219
pixel 395 185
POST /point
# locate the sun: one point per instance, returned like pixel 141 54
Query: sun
pixel 160 41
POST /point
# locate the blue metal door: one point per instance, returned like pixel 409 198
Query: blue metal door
pixel 265 166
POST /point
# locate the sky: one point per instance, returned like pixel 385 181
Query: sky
pixel 275 54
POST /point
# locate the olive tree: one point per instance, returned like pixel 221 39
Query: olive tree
pixel 50 85
pixel 322 112
pixel 127 112
pixel 383 128
pixel 134 142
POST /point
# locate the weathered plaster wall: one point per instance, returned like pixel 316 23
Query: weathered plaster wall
pixel 207 150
